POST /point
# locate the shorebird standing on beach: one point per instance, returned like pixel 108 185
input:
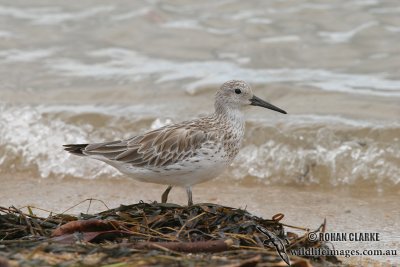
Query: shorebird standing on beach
pixel 186 153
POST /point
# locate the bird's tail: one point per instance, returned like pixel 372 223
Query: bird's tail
pixel 75 149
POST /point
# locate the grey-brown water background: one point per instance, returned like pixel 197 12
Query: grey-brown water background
pixel 93 70
pixel 79 71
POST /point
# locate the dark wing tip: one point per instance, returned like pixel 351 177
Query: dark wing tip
pixel 75 148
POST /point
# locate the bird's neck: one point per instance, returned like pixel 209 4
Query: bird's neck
pixel 233 118
pixel 231 123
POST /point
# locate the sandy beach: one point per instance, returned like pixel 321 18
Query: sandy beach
pixel 345 210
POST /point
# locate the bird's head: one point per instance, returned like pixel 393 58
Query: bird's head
pixel 237 94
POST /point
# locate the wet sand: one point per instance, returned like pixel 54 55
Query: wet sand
pixel 345 210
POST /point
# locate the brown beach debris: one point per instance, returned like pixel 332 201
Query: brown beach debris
pixel 302 263
pixel 247 263
pixel 4 262
pixel 91 225
pixel 148 234
pixel 89 236
pixel 278 217
pixel 189 247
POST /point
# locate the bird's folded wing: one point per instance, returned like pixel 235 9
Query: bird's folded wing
pixel 157 148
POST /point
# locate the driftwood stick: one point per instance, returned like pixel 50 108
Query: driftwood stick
pixel 190 247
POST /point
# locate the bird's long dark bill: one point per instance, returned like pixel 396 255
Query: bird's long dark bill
pixel 255 101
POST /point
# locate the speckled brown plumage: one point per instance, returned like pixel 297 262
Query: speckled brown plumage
pixel 185 153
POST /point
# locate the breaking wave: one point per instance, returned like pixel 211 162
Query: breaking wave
pixel 298 150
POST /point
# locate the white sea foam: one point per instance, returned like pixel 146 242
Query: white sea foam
pixel 280 39
pixel 131 14
pixel 195 25
pixel 6 35
pixel 246 14
pixel 346 36
pixel 183 24
pixel 386 10
pixel 299 8
pixel 15 55
pixel 130 65
pixel 31 143
pixel 300 149
pixel 319 152
pixel 51 15
pixel 31 138
pixel 256 20
pixel 392 29
pixel 235 57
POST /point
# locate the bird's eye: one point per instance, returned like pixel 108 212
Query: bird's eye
pixel 238 91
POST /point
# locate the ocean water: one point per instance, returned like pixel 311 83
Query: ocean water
pixel 97 70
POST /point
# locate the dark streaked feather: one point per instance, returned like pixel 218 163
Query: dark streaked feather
pixel 75 149
pixel 156 148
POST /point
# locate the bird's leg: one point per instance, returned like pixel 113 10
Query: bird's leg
pixel 164 196
pixel 189 194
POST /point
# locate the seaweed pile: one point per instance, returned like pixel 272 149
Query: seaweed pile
pixel 153 234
